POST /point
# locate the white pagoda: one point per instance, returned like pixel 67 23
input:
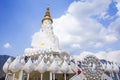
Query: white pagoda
pixel 45 61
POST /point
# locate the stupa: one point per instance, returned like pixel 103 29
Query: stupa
pixel 45 61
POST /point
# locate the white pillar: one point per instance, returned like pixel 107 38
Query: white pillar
pixel 53 76
pixel 28 76
pixel 50 75
pixel 41 76
pixel 14 76
pixel 6 76
pixel 64 76
pixel 20 75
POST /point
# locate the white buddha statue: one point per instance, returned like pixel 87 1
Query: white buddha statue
pixel 45 38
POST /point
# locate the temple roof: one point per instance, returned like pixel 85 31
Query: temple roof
pixel 47 15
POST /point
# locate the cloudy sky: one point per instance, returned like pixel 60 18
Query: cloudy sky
pixel 82 26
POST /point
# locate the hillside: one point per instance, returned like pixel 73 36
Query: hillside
pixel 3 59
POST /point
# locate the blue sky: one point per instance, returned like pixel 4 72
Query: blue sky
pixel 19 19
pixel 86 25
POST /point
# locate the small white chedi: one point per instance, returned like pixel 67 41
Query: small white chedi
pixel 45 61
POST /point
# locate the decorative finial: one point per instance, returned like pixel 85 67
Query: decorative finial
pixel 47 15
pixel 48 6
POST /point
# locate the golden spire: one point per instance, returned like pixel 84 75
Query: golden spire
pixel 47 15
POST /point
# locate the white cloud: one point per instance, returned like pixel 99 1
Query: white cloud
pixel 110 38
pixel 118 7
pixel 88 8
pixel 110 55
pixel 104 15
pixel 78 27
pixel 98 44
pixel 7 45
pixel 76 46
pixel 115 27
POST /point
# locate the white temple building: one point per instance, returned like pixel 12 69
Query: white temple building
pixel 45 61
